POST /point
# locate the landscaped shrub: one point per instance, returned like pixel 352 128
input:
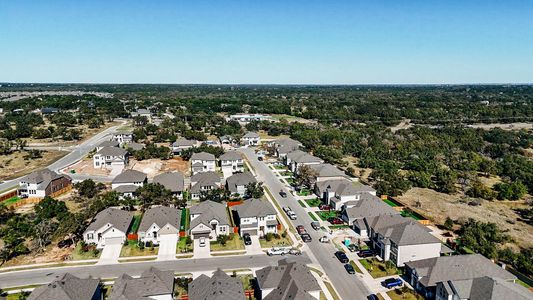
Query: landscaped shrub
pixel 269 236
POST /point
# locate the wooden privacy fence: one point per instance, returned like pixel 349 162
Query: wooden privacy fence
pixel 8 195
pixel 62 191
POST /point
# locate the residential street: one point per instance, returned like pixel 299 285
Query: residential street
pixel 348 286
pixel 46 275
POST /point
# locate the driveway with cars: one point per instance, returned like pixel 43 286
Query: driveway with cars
pixel 201 252
pixel 255 247
pixel 167 247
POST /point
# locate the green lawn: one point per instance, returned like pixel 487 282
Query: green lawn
pixel 291 181
pixel 304 192
pixel 324 215
pixel 314 202
pixel 520 282
pixel 356 268
pixel 247 281
pixel 10 201
pixel 403 294
pixel 287 173
pixel 391 203
pixel 278 167
pixel 282 241
pixel 136 222
pixel 379 269
pixel 411 214
pixel 235 243
pixel 132 249
pixel 302 204
pixel 184 224
pixel 77 254
pixel 182 246
pixel 312 216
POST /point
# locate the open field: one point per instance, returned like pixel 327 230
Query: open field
pixel 14 165
pixel 437 206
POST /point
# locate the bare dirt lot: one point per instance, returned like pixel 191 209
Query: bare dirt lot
pixel 437 206
pixel 14 165
pixel 50 254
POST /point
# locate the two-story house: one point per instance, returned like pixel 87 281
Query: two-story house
pixel 284 146
pixel 251 139
pixel 296 159
pixel 203 182
pixel 42 183
pixel 368 206
pixel 255 217
pixel 237 183
pixel 325 172
pixel 337 192
pixel 110 143
pixel 202 162
pixel 110 158
pixel 123 138
pixel 127 182
pixel 158 221
pixel 231 162
pixel 209 220
pixel 109 226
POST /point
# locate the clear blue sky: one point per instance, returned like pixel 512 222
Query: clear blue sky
pixel 260 41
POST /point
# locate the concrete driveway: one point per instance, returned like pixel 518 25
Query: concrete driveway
pixel 255 247
pixel 110 254
pixel 201 252
pixel 167 247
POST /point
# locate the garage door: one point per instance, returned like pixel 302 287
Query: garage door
pixel 200 234
pixel 113 240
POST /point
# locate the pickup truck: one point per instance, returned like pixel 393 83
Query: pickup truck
pixel 392 282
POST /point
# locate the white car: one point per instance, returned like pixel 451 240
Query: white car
pixel 278 251
pixel 292 215
pixel 324 239
pixel 202 242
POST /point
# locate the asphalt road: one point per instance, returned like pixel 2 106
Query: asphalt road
pixel 348 286
pixel 43 276
pixel 76 154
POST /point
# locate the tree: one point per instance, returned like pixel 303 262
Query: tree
pixel 222 239
pixel 481 237
pixel 254 190
pixel 510 191
pixel 42 235
pixel 479 190
pixel 88 188
pixel 306 176
pixel 49 208
pixel 154 194
pixel 448 224
pixel 216 195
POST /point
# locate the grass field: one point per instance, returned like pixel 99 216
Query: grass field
pixel 282 241
pixel 182 246
pixel 403 294
pixel 234 244
pixel 136 222
pixel 324 215
pixel 378 269
pixel 314 202
pixel 77 254
pixel 10 201
pixel 132 249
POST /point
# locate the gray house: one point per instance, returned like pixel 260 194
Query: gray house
pixel 220 286
pixel 284 146
pixel 68 287
pixel 182 144
pixel 256 217
pixel 209 219
pixel 203 182
pixel 109 226
pixel 368 206
pixel 481 288
pixel 157 221
pixel 296 159
pixel 110 143
pixel 231 162
pixel 152 284
pixel 237 183
pixel 127 182
pixel 202 162
pixel 172 181
pixel 250 139
pixel 327 172
pixel 338 193
pixel 287 280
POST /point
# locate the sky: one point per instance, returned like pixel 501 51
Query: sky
pixel 267 42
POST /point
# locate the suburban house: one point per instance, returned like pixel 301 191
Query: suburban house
pixel 284 146
pixel 110 143
pixel 368 206
pixel 424 275
pixel 325 172
pixel 250 139
pixel 123 137
pixel 227 140
pixel 255 217
pixel 109 226
pixel 287 280
pixel 110 158
pixel 338 193
pixel 202 162
pixel 237 183
pixel 142 112
pixel 204 182
pixel 401 240
pixel 134 146
pixel 481 288
pixel 209 219
pixel 127 182
pixel 68 287
pixel 182 144
pixel 152 284
pixel 220 286
pixel 172 181
pixel 231 162
pixel 295 159
pixel 42 183
pixel 157 221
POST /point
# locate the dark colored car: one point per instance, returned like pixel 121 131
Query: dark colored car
pixel 324 207
pixel 365 253
pixel 315 225
pixel 247 239
pixel 392 282
pixel 349 268
pixel 341 256
pixel 335 221
pixel 283 194
pixel 306 237
pixel 353 247
pixel 260 158
pixel 301 229
pixel 372 297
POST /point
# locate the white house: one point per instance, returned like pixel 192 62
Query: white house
pixel 337 192
pixel 203 162
pixel 209 220
pixel 250 139
pixel 123 138
pixel 128 182
pixel 110 158
pixel 231 162
pixel 256 217
pixel 158 221
pixel 109 226
pixel 42 183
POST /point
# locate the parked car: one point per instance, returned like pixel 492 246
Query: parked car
pixel 277 251
pixel 365 253
pixel 341 256
pixel 392 282
pixel 202 242
pixel 301 229
pixel 283 194
pixel 372 297
pixel 335 220
pixel 295 251
pixel 349 268
pixel 353 247
pixel 286 209
pixel 324 207
pixel 260 158
pixel 292 215
pixel 324 239
pixel 247 239
pixel 306 237
pixel 315 225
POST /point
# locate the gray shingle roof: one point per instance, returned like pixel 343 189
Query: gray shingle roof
pixel 120 219
pixel 135 146
pixel 251 134
pixel 128 188
pixel 300 156
pixel 151 283
pixel 487 288
pixel 456 267
pixel 42 177
pixel 112 151
pixel 111 143
pixel 239 179
pixel 327 170
pixel 202 156
pixel 199 180
pixel 290 280
pixel 184 143
pixel 369 206
pixel 254 208
pixel 160 215
pixel 209 210
pixel 128 176
pixel 402 231
pixel 341 187
pixel 231 155
pixel 67 287
pixel 220 286
pixel 173 181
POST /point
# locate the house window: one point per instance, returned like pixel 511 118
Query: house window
pixel 90 236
